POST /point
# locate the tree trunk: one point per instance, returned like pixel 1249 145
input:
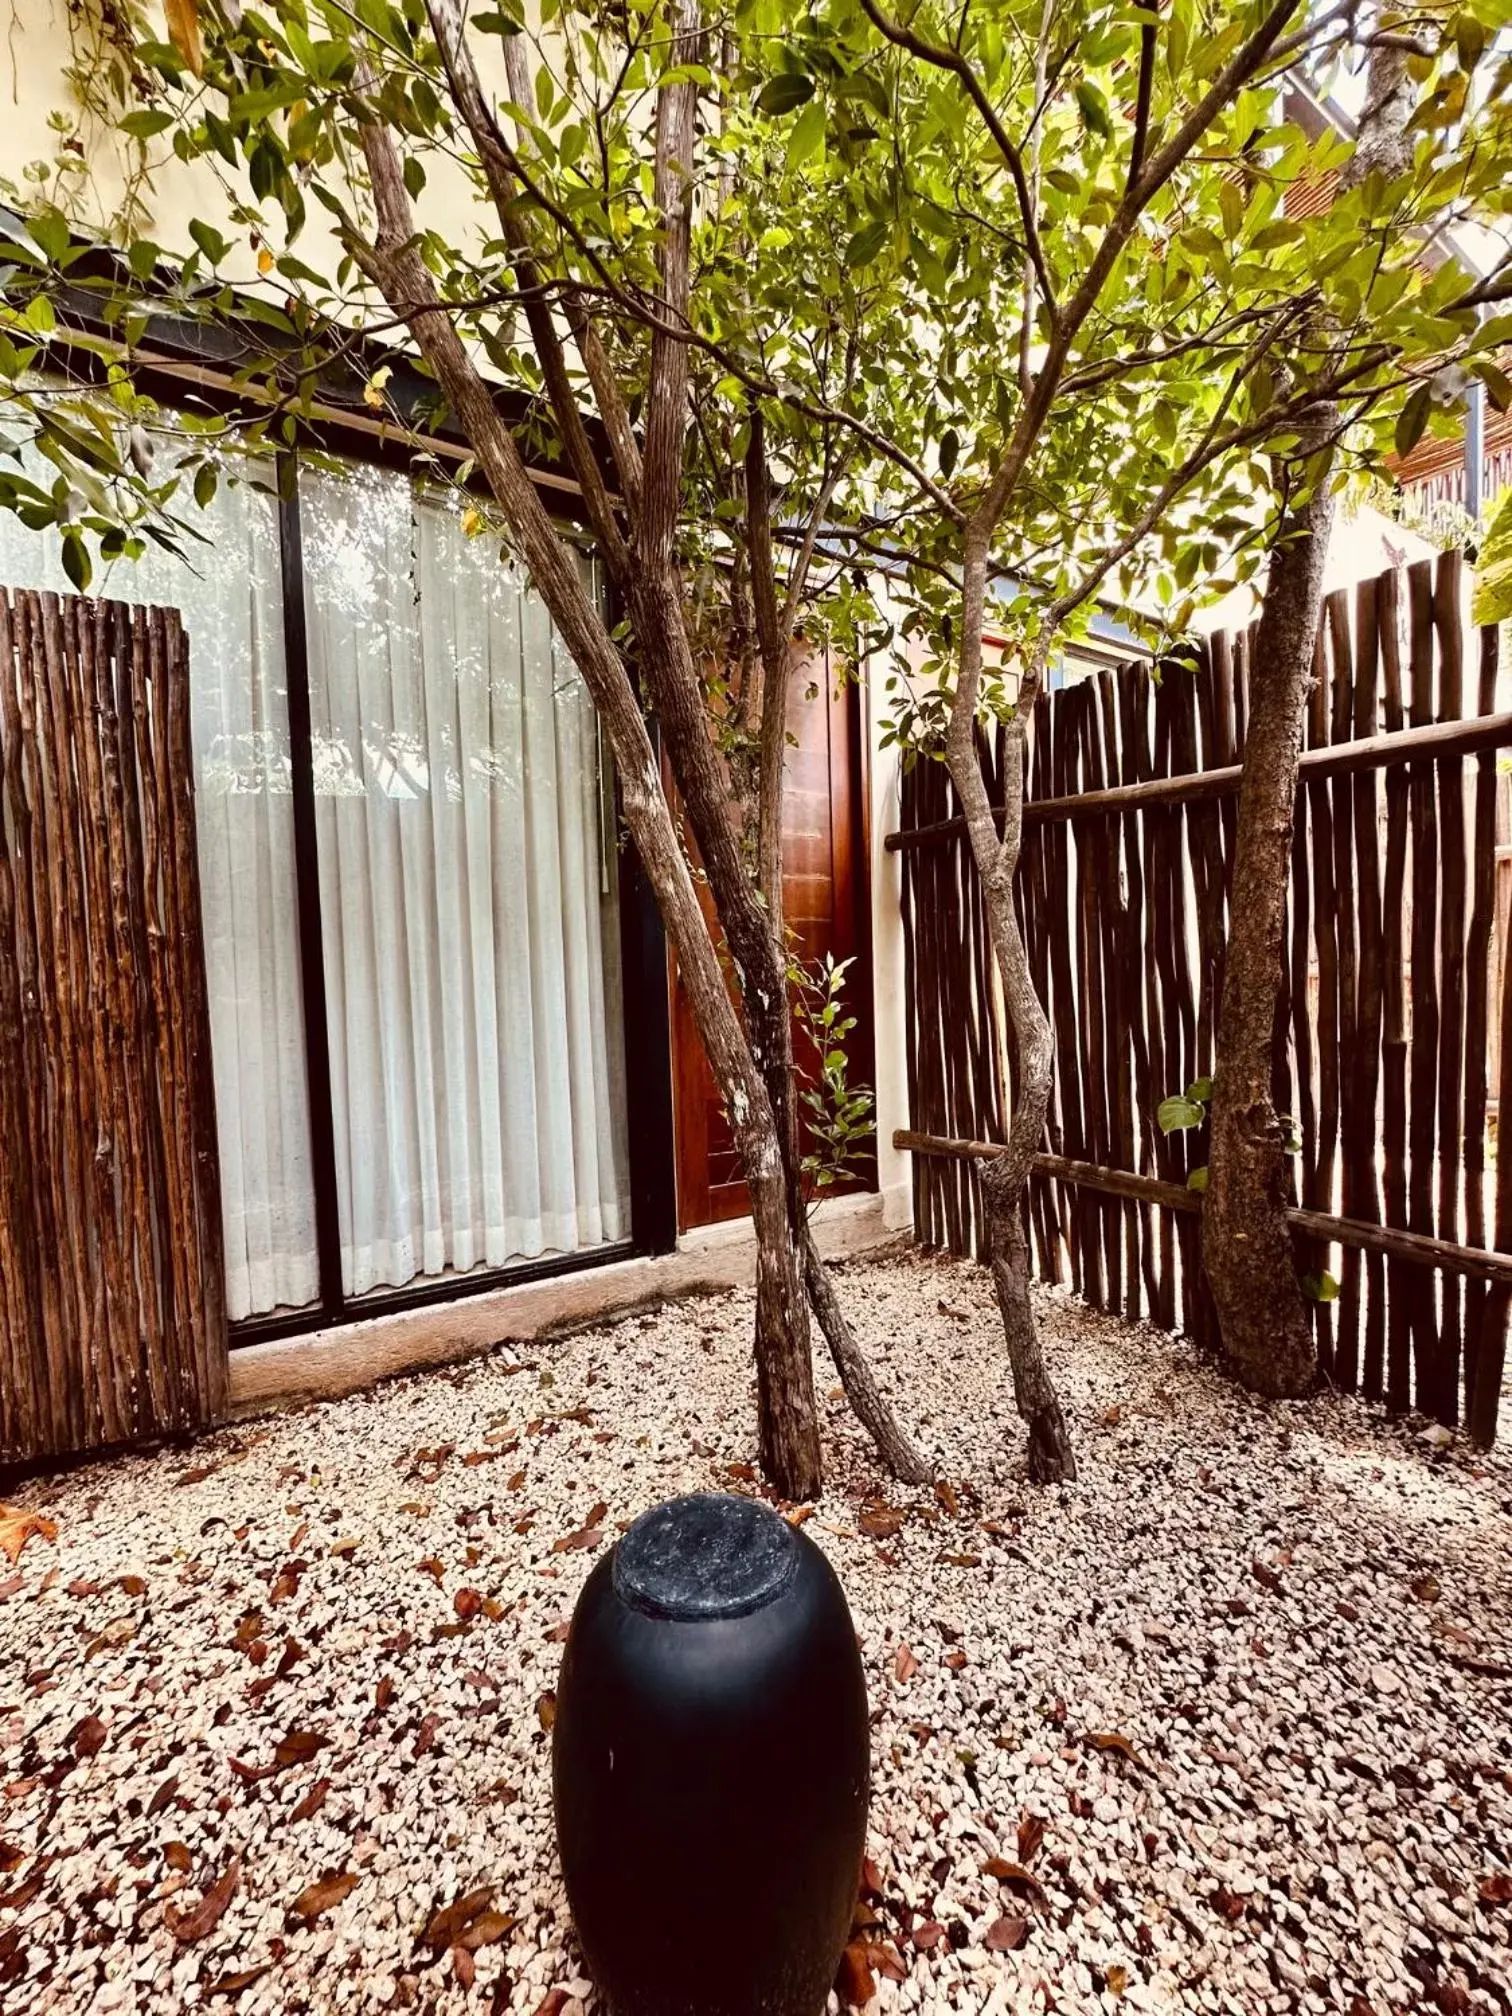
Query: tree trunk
pixel 1051 1458
pixel 1246 1243
pixel 1247 1251
pixel 789 1423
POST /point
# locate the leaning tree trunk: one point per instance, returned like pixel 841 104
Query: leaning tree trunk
pixel 1246 1241
pixel 789 1423
pixel 1051 1458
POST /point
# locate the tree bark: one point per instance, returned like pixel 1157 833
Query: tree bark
pixel 1051 1457
pixel 1247 1252
pixel 788 1421
pixel 1262 1317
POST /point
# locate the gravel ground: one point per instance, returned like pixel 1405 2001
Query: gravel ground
pixel 1225 1726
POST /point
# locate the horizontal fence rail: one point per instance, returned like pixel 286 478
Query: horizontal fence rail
pixel 1394 1022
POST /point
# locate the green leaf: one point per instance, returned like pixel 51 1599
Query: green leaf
pixel 1197 1179
pixel 1321 1287
pixel 867 243
pixel 1492 601
pixel 1412 419
pixel 1175 1113
pixel 1094 109
pixel 49 230
pixel 1201 1090
pixel 808 135
pixel 1498 385
pixel 146 124
pixel 786 93
pixel 206 478
pixel 76 561
pixel 950 448
pixel 209 240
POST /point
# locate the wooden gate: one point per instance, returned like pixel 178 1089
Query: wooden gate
pixel 112 1303
pixel 1391 1036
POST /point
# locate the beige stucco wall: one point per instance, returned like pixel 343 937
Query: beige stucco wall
pixel 42 44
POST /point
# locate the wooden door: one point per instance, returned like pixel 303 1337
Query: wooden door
pixel 826 902
pixel 112 1300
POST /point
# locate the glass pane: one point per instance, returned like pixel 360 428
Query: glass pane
pixel 469 894
pixel 229 595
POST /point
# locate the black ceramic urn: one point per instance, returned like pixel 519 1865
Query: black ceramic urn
pixel 710 1765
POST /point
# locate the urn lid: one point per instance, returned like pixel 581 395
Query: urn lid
pixel 705 1557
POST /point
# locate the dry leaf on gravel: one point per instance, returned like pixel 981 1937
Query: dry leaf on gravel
pixel 298 1747
pixel 1495 1888
pixel 1109 1741
pixel 446 1926
pixel 576 1543
pixel 546 1709
pixel 235 1984
pixel 1006 1934
pixel 88 1736
pixel 880 1522
pixel 855 1984
pixel 905 1665
pixel 323 1896
pixel 201 1920
pixel 312 1801
pixel 1031 1835
pixel 1017 1875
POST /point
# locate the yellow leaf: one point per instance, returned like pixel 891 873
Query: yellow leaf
pixel 372 392
pixel 472 521
pixel 184 32
pixel 17 1526
pixel 264 260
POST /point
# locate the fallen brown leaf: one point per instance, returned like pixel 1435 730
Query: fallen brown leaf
pixel 905 1665
pixel 927 1937
pixel 1116 1980
pixel 88 1736
pixel 467 1603
pixel 1031 1835
pixel 1109 1740
pixel 576 1543
pixel 880 1522
pixel 323 1896
pixel 1266 1577
pixel 1427 1588
pixel 554 2002
pixel 487 1929
pixel 1016 1875
pixel 199 1922
pixel 446 1926
pixel 855 1984
pixel 546 1709
pixel 1495 1888
pixel 298 1747
pixel 176 1854
pixel 312 1801
pixel 234 1984
pixel 1004 1935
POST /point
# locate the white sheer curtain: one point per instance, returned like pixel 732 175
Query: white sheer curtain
pixel 228 592
pixel 468 897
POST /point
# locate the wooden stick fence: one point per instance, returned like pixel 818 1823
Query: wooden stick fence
pixel 112 1312
pixel 1388 1039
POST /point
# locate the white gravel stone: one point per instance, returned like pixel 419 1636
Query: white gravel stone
pixel 1251 1672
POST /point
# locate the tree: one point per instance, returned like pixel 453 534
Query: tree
pixel 1246 1241
pixel 579 290
pixel 1109 184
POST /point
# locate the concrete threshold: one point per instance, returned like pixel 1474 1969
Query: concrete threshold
pixel 327 1363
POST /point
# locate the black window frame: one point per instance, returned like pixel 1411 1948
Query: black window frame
pixel 646 1034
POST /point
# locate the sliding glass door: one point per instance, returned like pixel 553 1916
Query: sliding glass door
pixel 460 891
pixel 468 896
